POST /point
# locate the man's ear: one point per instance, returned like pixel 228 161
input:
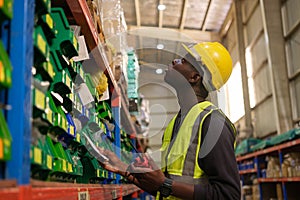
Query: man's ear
pixel 195 77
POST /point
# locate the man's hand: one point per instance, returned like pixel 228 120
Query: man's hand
pixel 114 164
pixel 148 178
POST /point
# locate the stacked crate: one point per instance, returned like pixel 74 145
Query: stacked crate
pixel 5 80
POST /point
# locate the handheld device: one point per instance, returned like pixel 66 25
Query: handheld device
pixel 94 151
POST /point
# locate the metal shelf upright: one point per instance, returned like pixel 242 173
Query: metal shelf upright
pixel 19 95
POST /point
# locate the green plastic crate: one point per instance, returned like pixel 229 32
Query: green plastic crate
pixel 41 47
pixel 47 24
pixel 59 157
pixel 65 40
pixel 5 139
pixel 5 68
pixel 41 160
pixel 6 9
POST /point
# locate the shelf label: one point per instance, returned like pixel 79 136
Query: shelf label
pixel 75 42
pixel 81 72
pixel 50 70
pixel 72 130
pixel 39 99
pixel 64 124
pixel 71 96
pixel 49 162
pixel 68 81
pixel 72 62
pixel 37 155
pixel 78 137
pixel 42 44
pixel 49 21
pixel 49 115
pixel 2 73
pixel 1 148
pixel 70 168
pixel 98 172
pixel 114 194
pixel 64 165
pixel 83 195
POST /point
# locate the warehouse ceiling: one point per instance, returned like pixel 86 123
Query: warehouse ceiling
pixel 156 35
pixel 201 15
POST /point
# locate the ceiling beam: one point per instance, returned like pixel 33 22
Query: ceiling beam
pixel 227 22
pixel 137 12
pixel 160 15
pixel 184 35
pixel 183 14
pixel 204 24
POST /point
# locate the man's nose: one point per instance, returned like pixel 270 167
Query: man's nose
pixel 176 61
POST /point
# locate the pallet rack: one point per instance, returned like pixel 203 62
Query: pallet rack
pixel 17 37
pixel 267 185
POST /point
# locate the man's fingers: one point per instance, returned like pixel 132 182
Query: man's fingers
pixel 138 170
pixel 152 162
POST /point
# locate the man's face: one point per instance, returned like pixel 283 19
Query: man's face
pixel 178 73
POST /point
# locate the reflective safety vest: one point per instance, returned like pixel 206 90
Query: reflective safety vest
pixel 180 162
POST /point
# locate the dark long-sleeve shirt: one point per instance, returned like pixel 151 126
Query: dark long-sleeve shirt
pixel 216 159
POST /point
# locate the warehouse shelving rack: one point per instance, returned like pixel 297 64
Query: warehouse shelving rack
pixel 256 158
pixel 19 42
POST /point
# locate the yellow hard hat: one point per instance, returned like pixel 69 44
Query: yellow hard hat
pixel 217 61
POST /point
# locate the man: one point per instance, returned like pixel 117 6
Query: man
pixel 198 160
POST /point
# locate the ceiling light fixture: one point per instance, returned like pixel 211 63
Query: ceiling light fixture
pixel 161 7
pixel 159 71
pixel 160 46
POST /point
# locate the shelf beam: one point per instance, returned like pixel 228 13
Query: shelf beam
pixel 247 171
pixel 284 179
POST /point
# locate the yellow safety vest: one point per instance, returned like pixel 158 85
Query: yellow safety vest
pixel 181 161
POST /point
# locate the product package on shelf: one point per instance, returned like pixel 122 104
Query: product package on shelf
pixel 5 139
pixel 5 68
pixel 6 10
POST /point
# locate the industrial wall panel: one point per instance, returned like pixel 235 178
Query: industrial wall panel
pixel 254 26
pixel 295 93
pixel 262 84
pixel 234 55
pixel 258 54
pixel 293 52
pixel 264 118
pixel 231 36
pixel 247 8
pixel 291 13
